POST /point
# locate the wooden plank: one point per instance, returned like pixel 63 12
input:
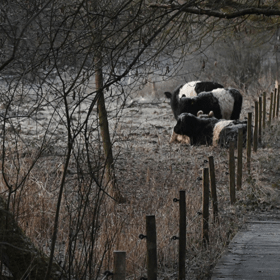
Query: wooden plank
pixel 252 254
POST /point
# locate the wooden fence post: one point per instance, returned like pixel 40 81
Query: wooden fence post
pixel 277 106
pixel 239 158
pixel 119 265
pixel 151 247
pixel 255 145
pixel 264 110
pixel 182 236
pixel 232 172
pixel 274 103
pixel 213 188
pixel 205 207
pixel 249 140
pixel 260 119
pixel 270 108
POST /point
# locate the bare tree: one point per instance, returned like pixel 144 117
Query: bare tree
pixel 52 111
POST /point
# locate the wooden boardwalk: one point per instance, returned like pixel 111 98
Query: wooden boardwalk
pixel 254 253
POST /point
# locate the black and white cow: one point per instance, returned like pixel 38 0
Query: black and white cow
pixel 225 104
pixel 191 89
pixel 209 131
pixel 226 131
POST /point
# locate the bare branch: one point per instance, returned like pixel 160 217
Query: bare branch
pixel 219 14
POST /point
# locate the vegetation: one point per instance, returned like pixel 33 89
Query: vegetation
pixel 67 70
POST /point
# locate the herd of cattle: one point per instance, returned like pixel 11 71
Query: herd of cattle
pixel 206 114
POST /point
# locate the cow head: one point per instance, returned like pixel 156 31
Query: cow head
pixel 189 105
pixel 186 124
pixel 174 101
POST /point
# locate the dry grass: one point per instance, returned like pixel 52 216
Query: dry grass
pixel 156 181
pixel 91 226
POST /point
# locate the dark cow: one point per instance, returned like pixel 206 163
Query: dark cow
pixel 199 130
pixel 191 89
pixel 178 138
pixel 208 131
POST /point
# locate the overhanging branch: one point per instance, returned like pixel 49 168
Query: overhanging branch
pixel 219 14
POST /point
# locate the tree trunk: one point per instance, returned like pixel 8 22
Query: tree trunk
pixel 18 253
pixel 110 179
